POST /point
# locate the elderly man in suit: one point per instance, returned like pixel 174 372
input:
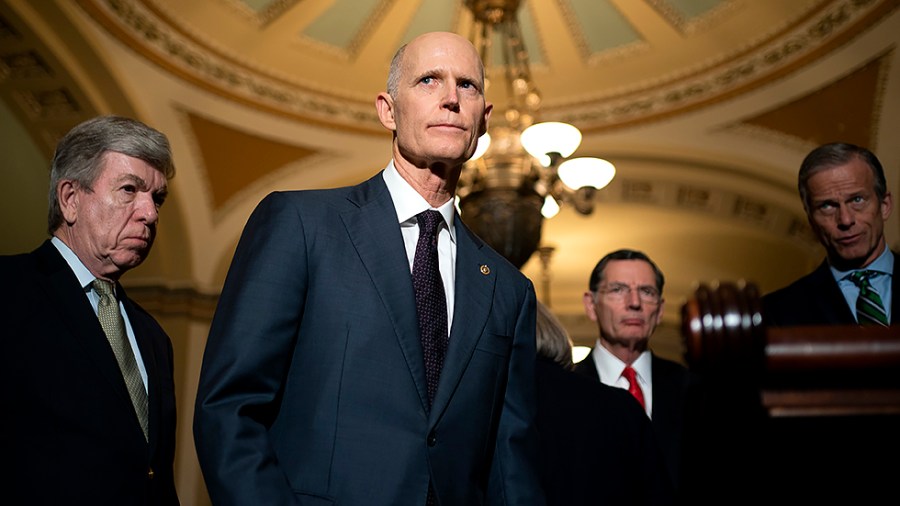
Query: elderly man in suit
pixel 367 347
pixel 86 374
pixel 625 299
pixel 845 196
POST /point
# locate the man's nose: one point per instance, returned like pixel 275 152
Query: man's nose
pixel 451 99
pixel 845 217
pixel 633 298
pixel 147 211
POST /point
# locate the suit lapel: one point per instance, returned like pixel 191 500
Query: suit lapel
pixel 830 300
pixel 375 233
pixel 895 292
pixel 665 399
pixel 67 296
pixel 472 305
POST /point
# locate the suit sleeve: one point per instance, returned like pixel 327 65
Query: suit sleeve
pixel 247 358
pixel 514 479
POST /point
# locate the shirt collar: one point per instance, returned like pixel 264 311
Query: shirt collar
pixel 408 203
pixel 884 264
pixel 610 367
pixel 85 278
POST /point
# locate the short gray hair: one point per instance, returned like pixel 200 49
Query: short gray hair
pixel 80 154
pixel 393 80
pixel 831 155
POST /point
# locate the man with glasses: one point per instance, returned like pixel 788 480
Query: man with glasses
pixel 625 298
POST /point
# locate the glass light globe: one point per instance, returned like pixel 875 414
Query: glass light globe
pixel 551 137
pixel 550 207
pixel 580 172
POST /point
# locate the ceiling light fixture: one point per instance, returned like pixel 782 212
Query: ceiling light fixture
pixel 520 173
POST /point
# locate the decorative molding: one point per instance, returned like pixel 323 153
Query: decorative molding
pixel 696 24
pixel 135 25
pixel 26 64
pixel 266 15
pixel 832 25
pixel 719 202
pixel 42 105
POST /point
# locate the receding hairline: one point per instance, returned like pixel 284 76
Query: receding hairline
pixel 398 62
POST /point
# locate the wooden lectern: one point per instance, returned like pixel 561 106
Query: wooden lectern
pixel 805 414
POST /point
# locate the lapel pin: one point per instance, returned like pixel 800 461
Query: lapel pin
pixel 485 270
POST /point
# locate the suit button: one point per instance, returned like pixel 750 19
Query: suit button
pixel 150 474
pixel 432 439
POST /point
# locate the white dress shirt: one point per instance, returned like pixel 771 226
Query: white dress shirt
pixel 610 368
pixel 85 278
pixel 408 203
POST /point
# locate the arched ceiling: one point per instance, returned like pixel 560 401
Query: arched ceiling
pixel 706 107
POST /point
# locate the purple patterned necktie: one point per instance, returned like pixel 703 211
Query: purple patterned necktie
pixel 431 302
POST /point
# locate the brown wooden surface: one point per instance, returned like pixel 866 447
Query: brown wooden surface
pixel 797 371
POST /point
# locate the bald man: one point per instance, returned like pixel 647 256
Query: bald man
pixel 326 378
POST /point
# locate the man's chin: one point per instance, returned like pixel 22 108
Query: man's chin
pixel 130 259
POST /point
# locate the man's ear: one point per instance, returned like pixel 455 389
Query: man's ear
pixel 488 108
pixel 589 308
pixel 887 205
pixel 67 195
pixel 384 104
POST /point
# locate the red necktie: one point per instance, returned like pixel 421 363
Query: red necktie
pixel 633 387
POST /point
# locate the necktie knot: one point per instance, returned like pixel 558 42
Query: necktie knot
pixel 869 306
pixel 428 222
pixel 105 289
pixel 861 278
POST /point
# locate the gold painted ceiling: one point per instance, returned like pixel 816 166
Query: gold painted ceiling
pixel 705 106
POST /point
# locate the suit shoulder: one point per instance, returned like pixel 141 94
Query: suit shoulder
pixel 810 283
pixel 669 365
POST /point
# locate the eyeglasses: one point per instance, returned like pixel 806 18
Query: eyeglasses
pixel 620 292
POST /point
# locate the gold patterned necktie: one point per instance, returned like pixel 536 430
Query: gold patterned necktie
pixel 114 328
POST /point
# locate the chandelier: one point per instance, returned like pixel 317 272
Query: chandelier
pixel 520 173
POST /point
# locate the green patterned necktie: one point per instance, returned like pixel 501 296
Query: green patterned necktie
pixel 869 308
pixel 114 328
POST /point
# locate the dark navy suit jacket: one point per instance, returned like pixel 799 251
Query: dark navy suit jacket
pixel 816 299
pixel 69 434
pixel 597 445
pixel 675 397
pixel 313 388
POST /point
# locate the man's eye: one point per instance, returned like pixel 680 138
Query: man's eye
pixel 427 80
pixel 129 188
pixel 616 289
pixel 648 291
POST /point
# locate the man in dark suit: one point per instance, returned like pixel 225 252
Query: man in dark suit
pixel 625 299
pixel 845 196
pixel 844 193
pixel 315 386
pixel 89 404
pixel 596 443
